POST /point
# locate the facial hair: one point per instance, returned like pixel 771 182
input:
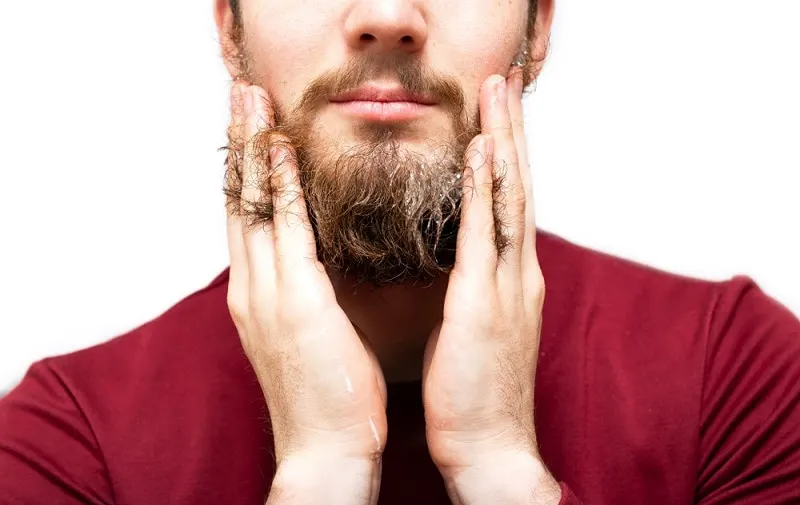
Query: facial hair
pixel 381 213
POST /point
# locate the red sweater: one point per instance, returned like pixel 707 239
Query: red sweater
pixel 652 389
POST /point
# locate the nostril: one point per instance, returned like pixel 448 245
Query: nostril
pixel 406 39
pixel 367 37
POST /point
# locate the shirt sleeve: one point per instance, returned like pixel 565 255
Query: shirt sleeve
pixel 48 453
pixel 750 415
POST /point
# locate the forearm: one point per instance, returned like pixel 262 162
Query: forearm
pixel 329 481
pixel 510 480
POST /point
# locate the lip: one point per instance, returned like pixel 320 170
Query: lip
pixel 382 103
pixel 386 93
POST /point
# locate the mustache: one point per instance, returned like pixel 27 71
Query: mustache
pixel 407 70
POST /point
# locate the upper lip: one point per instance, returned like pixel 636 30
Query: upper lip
pixel 374 92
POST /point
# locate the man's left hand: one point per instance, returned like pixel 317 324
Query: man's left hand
pixel 480 362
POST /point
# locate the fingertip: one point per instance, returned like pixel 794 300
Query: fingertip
pixel 278 155
pixel 238 107
pixel 488 95
pixel 280 149
pixel 491 82
pixel 277 138
pixel 494 103
pixel 283 166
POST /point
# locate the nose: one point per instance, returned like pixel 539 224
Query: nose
pixel 386 25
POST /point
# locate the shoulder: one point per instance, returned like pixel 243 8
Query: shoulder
pixel 714 365
pixel 188 359
pixel 179 347
pixel 159 405
pixel 581 279
pixel 652 313
pixel 577 269
pixel 603 299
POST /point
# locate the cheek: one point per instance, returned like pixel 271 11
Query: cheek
pixel 478 38
pixel 285 61
pixel 476 57
pixel 469 39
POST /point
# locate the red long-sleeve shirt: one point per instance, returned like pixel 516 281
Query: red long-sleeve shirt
pixel 651 389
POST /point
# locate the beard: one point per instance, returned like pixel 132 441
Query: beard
pixel 382 213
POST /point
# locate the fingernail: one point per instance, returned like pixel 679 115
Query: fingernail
pixel 500 91
pixel 276 154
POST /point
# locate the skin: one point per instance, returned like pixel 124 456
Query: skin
pixel 319 349
pixel 325 34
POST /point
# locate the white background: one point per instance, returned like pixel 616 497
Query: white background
pixel 665 132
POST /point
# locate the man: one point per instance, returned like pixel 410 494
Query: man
pixel 387 286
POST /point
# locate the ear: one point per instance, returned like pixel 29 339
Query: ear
pixel 229 39
pixel 539 37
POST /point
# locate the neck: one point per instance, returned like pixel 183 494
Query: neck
pixel 395 321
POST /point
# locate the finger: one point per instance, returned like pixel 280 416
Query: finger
pixel 238 283
pixel 236 127
pixel 255 118
pixel 475 247
pixel 295 246
pixel 233 162
pixel 238 277
pixel 532 280
pixel 258 238
pixel 518 122
pixel 509 194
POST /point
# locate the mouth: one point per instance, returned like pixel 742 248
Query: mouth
pixel 382 103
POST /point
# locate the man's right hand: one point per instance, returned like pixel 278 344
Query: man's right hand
pixel 323 386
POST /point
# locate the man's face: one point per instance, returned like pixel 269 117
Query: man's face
pixel 380 99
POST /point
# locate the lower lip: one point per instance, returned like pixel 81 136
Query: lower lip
pixel 383 111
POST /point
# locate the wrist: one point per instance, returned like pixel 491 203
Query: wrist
pixel 340 480
pixel 508 477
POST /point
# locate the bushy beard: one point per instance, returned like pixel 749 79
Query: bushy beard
pixel 381 213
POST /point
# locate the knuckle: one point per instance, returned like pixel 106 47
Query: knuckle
pixel 536 284
pixel 507 134
pixel 237 306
